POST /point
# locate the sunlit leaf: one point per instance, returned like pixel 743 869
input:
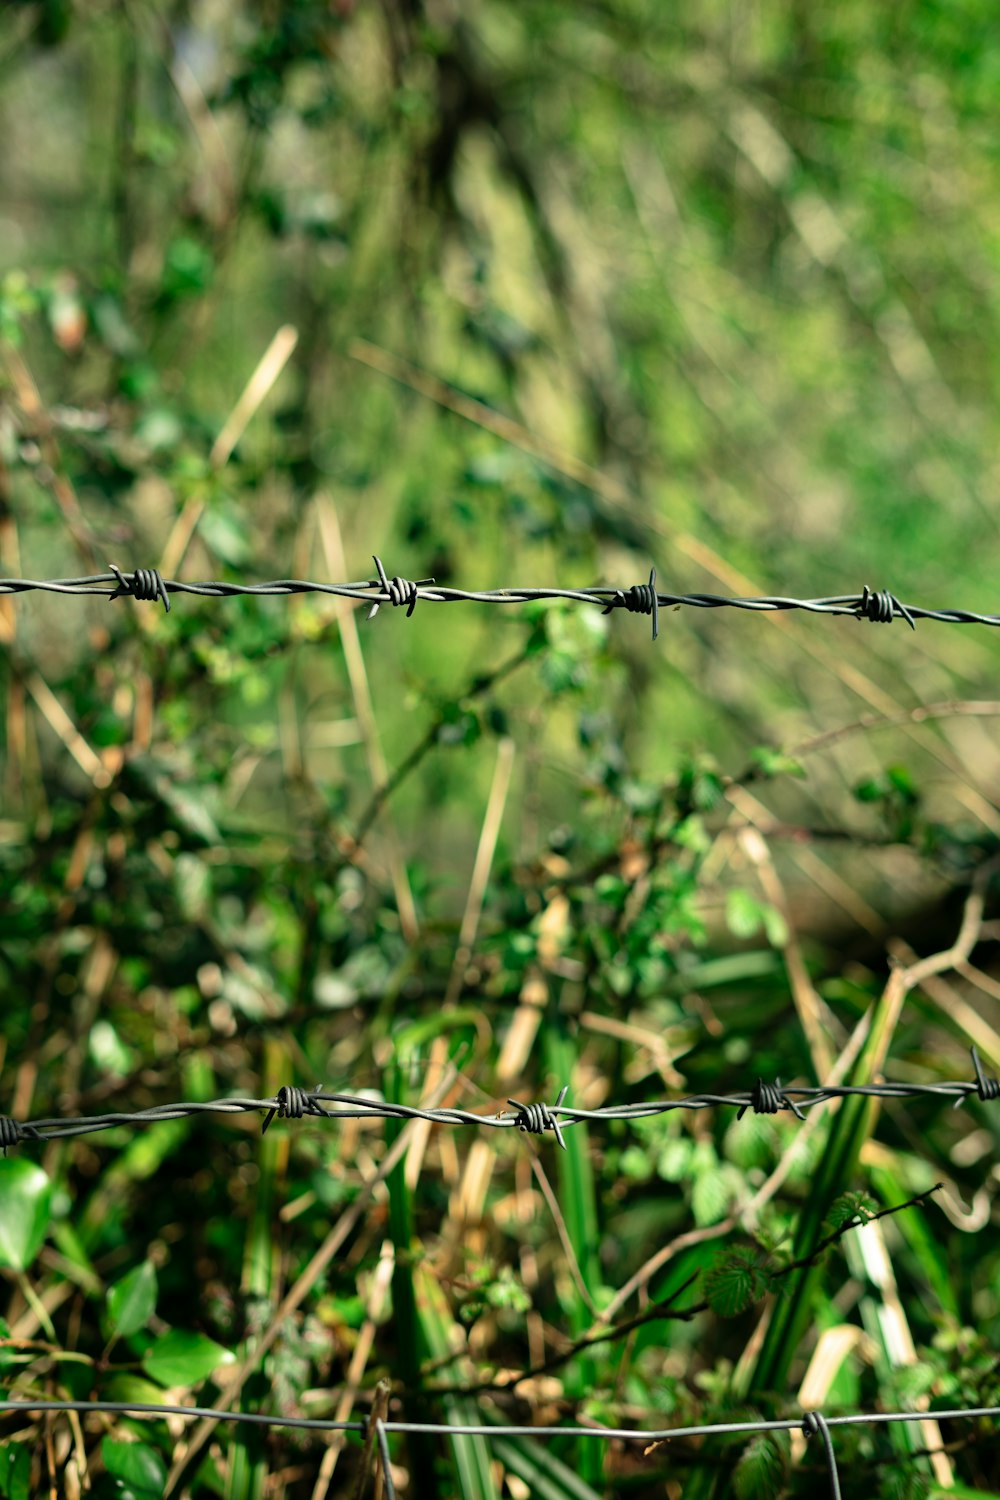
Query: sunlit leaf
pixel 139 1468
pixel 15 1471
pixel 25 1196
pixel 182 1357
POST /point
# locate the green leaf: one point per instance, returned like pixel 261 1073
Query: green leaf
pixel 674 1161
pixel 736 1280
pixel 713 1192
pixel 776 763
pixel 699 788
pixel 902 783
pixel 775 926
pixel 187 267
pixel 140 1468
pixel 760 1472
pixel 182 1357
pixel 25 1196
pixel 225 531
pixel 743 914
pixel 848 1207
pixel 15 1471
pixel 963 1492
pixel 107 1049
pixel 132 1300
pixel 126 1386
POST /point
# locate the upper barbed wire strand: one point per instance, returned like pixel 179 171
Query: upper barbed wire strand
pixel 292 1103
pixel 877 606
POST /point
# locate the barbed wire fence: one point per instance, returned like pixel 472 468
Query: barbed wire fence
pixel 879 606
pixel 537 1118
pixel 811 1424
pixel 293 1103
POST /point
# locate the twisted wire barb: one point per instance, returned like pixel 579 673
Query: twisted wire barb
pixel 879 606
pixel 291 1103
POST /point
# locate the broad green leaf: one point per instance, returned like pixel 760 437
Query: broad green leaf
pixel 139 1467
pixel 132 1301
pixel 15 1471
pixel 25 1195
pixel 126 1386
pixel 182 1357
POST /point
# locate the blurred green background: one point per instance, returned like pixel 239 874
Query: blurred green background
pixel 510 295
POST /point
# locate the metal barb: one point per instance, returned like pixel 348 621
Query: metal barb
pixel 144 584
pixel 640 599
pixel 537 1118
pixel 814 1422
pixel 882 607
pixel 879 606
pixel 294 1103
pixel 400 590
pixel 768 1098
pixel 986 1088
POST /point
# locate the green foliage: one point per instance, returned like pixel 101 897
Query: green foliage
pixel 762 1467
pixel 15 1471
pixel 769 763
pixel 25 1208
pixel 897 799
pixel 903 1484
pixel 182 1357
pixel 737 1279
pixel 139 1469
pixel 574 292
pixel 132 1300
pixel 745 916
pixel 850 1208
pixel 699 787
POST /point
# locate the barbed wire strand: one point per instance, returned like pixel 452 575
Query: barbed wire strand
pixel 291 1103
pixel 810 1423
pixel 879 606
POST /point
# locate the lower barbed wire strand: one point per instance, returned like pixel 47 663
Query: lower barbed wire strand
pixel 499 1429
